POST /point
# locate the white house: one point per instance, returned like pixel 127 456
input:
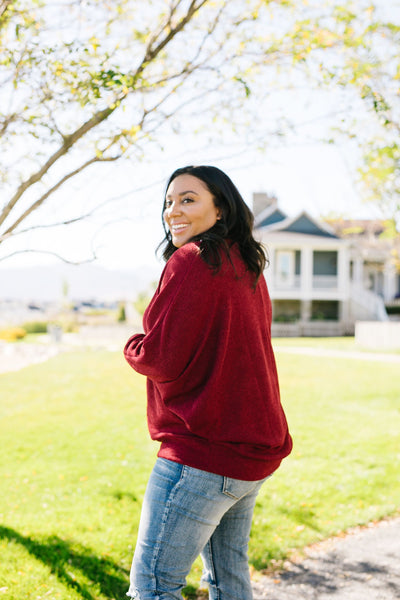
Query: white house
pixel 321 278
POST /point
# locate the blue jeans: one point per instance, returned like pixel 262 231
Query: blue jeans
pixel 187 512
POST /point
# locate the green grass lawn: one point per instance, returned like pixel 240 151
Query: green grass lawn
pixel 76 457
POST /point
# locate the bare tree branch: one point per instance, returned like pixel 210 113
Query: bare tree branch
pixel 4 5
pixel 44 197
pixel 69 141
pixel 46 226
pixel 48 252
pixel 151 53
pixel 6 122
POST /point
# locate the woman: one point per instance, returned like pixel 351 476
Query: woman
pixel 213 395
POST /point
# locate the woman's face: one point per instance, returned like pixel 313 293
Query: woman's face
pixel 189 209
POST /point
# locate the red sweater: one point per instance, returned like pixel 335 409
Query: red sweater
pixel 212 385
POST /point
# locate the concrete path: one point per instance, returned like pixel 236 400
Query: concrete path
pixel 326 352
pixel 14 357
pixel 17 356
pixel 363 565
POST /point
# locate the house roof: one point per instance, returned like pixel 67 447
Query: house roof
pixel 370 230
pixel 304 224
pixel 353 228
pixel 269 216
pixel 372 237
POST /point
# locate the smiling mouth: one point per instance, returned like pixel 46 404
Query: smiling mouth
pixel 179 228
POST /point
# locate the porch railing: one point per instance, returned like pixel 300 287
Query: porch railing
pixel 325 282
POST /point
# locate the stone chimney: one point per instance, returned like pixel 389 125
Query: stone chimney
pixel 262 200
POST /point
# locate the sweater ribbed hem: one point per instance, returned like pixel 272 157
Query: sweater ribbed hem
pixel 221 459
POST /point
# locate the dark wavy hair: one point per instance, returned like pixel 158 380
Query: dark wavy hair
pixel 235 224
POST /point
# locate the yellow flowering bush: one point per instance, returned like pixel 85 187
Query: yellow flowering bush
pixel 11 334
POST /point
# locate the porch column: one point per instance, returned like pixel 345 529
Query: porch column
pixel 358 265
pixel 269 271
pixel 389 281
pixel 305 311
pixel 343 274
pixel 306 272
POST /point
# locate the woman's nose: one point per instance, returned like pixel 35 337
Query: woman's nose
pixel 173 209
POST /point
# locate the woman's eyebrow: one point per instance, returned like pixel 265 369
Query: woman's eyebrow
pixel 183 193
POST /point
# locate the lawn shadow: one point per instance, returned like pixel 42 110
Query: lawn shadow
pixel 120 495
pixel 302 516
pixel 62 558
pixel 330 575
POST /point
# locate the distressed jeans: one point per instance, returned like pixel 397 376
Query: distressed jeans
pixel 187 512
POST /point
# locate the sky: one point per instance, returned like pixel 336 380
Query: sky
pixel 303 176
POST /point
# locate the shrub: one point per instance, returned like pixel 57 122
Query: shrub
pixel 393 310
pixel 142 302
pixel 35 327
pixel 12 334
pixel 67 325
pixel 286 318
pixel 121 317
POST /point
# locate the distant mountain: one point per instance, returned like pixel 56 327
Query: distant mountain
pixel 83 282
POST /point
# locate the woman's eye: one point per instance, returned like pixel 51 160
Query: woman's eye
pixel 168 203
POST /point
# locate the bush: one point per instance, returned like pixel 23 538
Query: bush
pixel 12 334
pixel 35 327
pixel 121 317
pixel 393 310
pixel 286 318
pixel 142 302
pixel 67 325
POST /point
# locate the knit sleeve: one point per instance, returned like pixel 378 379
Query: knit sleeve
pixel 175 318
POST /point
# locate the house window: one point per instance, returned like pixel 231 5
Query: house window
pixel 286 311
pixel 325 268
pixel 325 310
pixel 325 262
pixel 285 267
pixel 373 274
pixel 297 259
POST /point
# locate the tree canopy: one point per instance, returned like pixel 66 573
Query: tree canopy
pixel 90 82
pixel 354 48
pixel 83 83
